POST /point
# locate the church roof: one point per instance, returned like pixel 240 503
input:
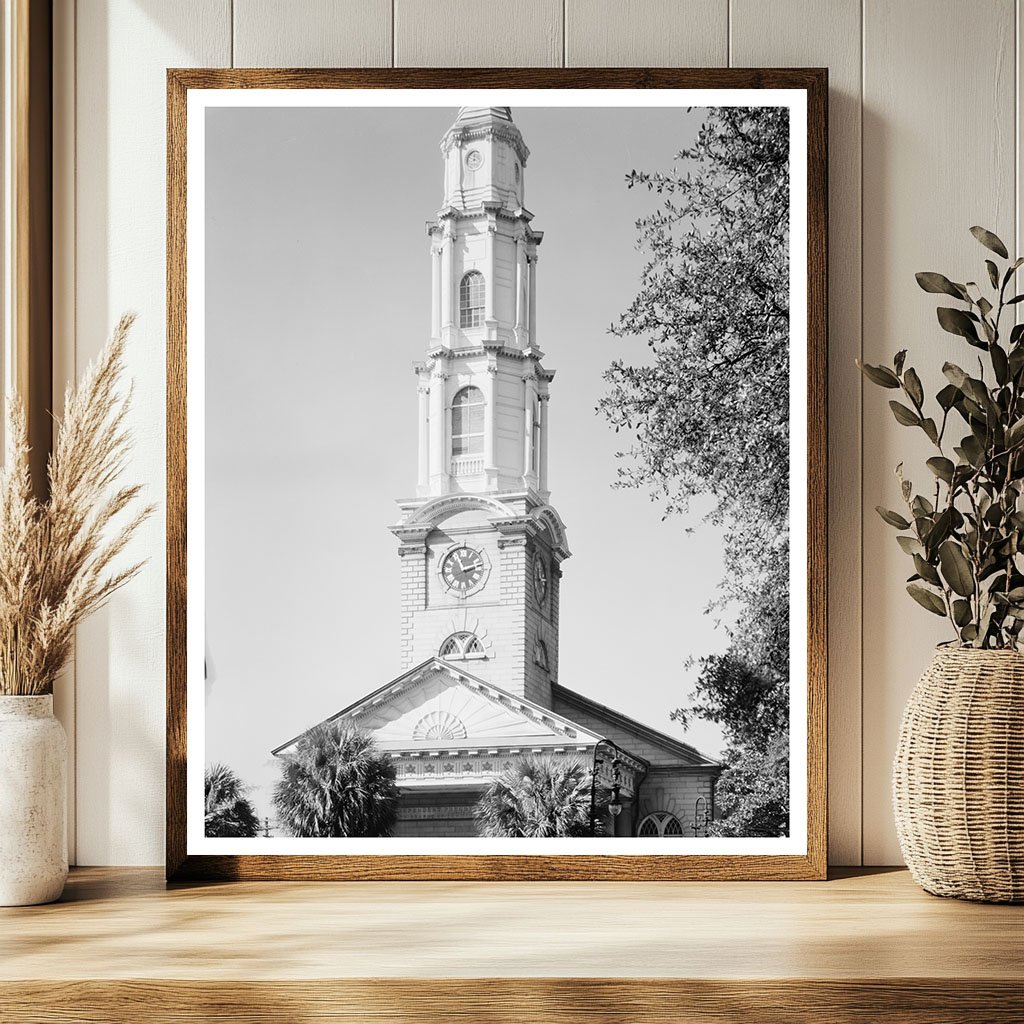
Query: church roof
pixel 609 717
pixel 439 704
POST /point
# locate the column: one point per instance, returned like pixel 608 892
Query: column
pixel 529 473
pixel 423 460
pixel 447 293
pixel 490 420
pixel 438 469
pixel 520 290
pixel 435 293
pixel 491 264
pixel 533 301
pixel 543 481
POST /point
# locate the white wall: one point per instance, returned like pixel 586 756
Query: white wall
pixel 924 104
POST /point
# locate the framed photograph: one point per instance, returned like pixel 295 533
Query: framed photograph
pixel 496 474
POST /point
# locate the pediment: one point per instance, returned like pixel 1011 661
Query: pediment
pixel 439 707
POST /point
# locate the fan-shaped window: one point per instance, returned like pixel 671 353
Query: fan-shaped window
pixel 540 655
pixel 439 725
pixel 460 646
pixel 468 422
pixel 471 300
pixel 659 824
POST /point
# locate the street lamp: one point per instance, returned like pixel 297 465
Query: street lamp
pixel 615 804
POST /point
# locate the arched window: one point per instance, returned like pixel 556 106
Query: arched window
pixel 468 422
pixel 461 646
pixel 471 300
pixel 540 655
pixel 658 825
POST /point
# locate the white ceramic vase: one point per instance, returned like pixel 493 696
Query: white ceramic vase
pixel 33 798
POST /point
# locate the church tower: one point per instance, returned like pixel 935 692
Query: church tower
pixel 480 545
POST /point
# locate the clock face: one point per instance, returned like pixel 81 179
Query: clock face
pixel 474 160
pixel 463 569
pixel 540 579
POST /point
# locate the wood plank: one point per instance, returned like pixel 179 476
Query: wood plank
pixel 939 156
pixel 800 33
pixel 471 33
pixel 514 1000
pixel 312 33
pixel 646 33
pixel 122 52
pixel 116 924
pixel 121 947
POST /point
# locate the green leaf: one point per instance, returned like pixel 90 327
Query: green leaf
pixel 926 599
pixel 1014 300
pixel 928 426
pixel 973 451
pixel 911 545
pixel 954 374
pixel 961 612
pixel 993 273
pixel 969 633
pixel 912 385
pixel 899 359
pixel 1000 363
pixel 892 518
pixel 1016 360
pixel 948 397
pixel 939 284
pixel 990 241
pixel 926 571
pixel 984 306
pixel 880 375
pixel 956 321
pixel 942 468
pixel 940 529
pixel 922 506
pixel 956 569
pixel 907 417
pixel 1015 434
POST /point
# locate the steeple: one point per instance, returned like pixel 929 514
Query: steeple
pixel 480 545
pixel 483 391
pixel 484 159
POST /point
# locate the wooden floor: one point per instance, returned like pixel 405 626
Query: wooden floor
pixel 870 947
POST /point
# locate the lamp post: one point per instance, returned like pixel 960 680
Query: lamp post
pixel 615 804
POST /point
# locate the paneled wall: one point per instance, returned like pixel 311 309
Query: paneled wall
pixel 924 143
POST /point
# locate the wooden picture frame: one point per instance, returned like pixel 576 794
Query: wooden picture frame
pixel 182 864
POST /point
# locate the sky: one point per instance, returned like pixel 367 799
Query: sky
pixel 317 303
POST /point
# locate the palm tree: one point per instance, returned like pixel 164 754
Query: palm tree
pixel 228 811
pixel 537 797
pixel 336 783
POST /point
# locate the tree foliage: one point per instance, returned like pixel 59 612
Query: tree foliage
pixel 336 783
pixel 708 414
pixel 752 794
pixel 964 530
pixel 537 797
pixel 229 814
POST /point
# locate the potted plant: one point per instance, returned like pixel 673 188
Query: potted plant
pixel 56 566
pixel 958 782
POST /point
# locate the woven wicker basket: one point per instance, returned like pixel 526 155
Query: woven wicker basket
pixel 958 777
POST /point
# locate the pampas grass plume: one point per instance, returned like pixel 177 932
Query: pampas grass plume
pixel 56 556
